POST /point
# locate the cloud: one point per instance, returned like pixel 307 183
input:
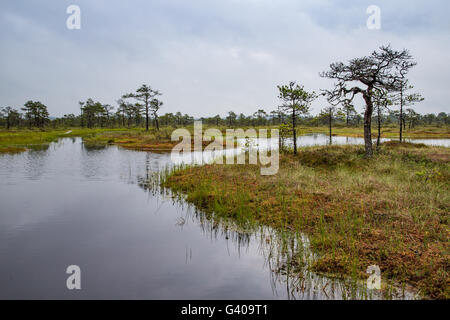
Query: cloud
pixel 207 57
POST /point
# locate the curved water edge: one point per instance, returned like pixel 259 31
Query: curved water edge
pixel 287 253
pixel 319 139
pixel 68 204
pixel 307 140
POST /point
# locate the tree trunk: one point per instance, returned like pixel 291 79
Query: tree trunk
pixel 379 126
pixel 146 115
pixel 156 122
pixel 401 115
pixel 294 131
pixel 367 124
pixel 329 123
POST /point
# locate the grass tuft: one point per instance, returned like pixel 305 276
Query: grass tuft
pixel 391 210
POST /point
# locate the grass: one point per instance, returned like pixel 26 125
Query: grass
pixel 14 141
pixel 391 210
pixel 21 140
pixel 160 141
pixel 386 132
pixel 131 139
pixel 153 140
pixel 9 149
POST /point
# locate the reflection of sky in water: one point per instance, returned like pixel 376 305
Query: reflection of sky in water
pixel 75 205
pixel 272 143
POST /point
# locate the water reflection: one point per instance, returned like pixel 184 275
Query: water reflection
pixel 36 162
pixel 287 255
pixel 316 139
pixel 102 210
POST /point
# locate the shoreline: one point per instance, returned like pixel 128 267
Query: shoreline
pixel 388 211
pixel 16 141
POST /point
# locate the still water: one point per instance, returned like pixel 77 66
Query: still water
pixel 320 139
pixel 71 205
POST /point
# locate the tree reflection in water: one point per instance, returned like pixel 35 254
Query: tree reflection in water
pixel 287 253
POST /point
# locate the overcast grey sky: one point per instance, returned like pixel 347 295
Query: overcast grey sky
pixel 208 56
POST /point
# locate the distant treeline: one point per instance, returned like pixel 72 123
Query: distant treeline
pixel 378 78
pixel 127 115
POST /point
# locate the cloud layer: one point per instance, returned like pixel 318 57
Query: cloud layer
pixel 208 57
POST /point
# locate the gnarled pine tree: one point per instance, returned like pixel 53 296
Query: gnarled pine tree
pixel 383 69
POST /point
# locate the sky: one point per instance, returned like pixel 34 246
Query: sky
pixel 209 57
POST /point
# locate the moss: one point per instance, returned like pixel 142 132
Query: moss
pixel 12 149
pixel 391 210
